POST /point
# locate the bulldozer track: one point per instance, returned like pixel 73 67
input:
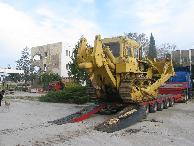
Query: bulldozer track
pixel 125 118
pixel 124 90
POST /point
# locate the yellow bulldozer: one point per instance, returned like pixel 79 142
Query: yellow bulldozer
pixel 125 81
pixel 117 70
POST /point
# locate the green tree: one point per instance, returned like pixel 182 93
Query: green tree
pixel 78 75
pixel 165 50
pixel 152 53
pixel 14 77
pixel 24 63
pixel 142 39
pixel 47 78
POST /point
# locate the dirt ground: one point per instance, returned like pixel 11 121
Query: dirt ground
pixel 25 123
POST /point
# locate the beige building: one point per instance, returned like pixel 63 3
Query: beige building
pixel 183 57
pixel 52 58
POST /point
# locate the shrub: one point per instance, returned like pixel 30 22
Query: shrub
pixel 71 94
pixel 47 78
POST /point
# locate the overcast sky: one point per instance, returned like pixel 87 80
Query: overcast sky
pixel 38 22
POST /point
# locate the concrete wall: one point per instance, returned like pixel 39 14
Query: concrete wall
pixel 176 56
pixel 50 57
pixel 183 57
pixel 65 59
pixel 53 58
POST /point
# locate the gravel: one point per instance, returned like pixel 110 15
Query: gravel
pixel 25 123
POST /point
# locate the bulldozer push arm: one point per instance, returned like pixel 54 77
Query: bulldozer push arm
pixel 94 61
pixel 115 68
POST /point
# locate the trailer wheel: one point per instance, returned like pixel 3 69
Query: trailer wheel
pixel 146 109
pixel 186 97
pixel 153 108
pixel 171 102
pixel 166 104
pixel 160 106
pixel 190 94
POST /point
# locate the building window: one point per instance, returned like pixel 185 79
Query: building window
pixel 45 67
pixel 37 69
pixel 69 53
pixel 185 59
pixel 177 59
pixel 192 58
pixel 37 57
pixel 45 54
pixel 67 66
pixel 66 52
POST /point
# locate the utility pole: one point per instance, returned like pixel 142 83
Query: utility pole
pixel 180 58
pixel 190 61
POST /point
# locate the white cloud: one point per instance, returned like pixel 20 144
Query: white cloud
pixel 171 24
pixel 152 12
pixel 19 29
pixel 45 12
pixel 169 20
pixel 88 1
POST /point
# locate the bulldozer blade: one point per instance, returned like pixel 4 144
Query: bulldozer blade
pixel 125 118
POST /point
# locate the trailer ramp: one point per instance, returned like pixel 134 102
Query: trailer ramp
pixel 81 115
pixel 125 118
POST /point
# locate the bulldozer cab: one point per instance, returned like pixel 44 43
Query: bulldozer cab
pixel 121 46
pixel 114 44
pixel 114 47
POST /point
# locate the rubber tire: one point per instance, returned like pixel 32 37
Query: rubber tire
pixel 153 108
pixel 160 106
pixel 147 109
pixel 186 97
pixel 166 104
pixel 171 102
pixel 190 94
